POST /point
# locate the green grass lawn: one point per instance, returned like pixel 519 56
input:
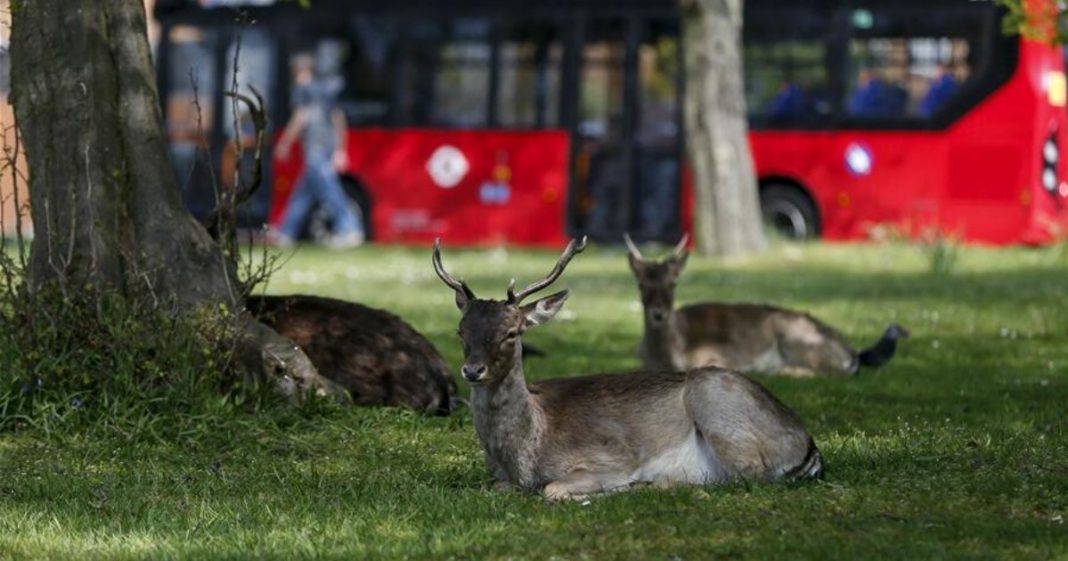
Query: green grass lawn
pixel 957 449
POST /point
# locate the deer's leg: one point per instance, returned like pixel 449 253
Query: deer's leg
pixel 580 484
pixel 797 372
pixel 502 486
pixel 750 434
pixel 501 481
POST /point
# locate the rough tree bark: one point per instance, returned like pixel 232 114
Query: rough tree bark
pixel 727 217
pixel 107 214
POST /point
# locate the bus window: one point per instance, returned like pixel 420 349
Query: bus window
pixel 528 92
pixel 787 78
pixel 361 51
pixel 190 113
pixel 461 87
pixel 903 65
pixel 657 138
pixel 445 75
pixel 368 73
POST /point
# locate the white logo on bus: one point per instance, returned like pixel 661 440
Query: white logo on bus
pixel 447 166
pixel 858 159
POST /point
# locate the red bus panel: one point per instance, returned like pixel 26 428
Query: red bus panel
pixel 979 179
pixel 469 187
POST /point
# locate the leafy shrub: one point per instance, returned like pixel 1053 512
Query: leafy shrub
pixel 104 361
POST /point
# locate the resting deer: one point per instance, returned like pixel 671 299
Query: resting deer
pixel 375 355
pixel 572 437
pixel 746 337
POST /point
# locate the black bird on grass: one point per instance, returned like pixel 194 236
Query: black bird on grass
pixel 882 351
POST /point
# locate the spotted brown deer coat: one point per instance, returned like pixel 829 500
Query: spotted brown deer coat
pixel 745 337
pixel 375 355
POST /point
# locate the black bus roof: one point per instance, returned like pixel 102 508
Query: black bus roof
pixel 166 10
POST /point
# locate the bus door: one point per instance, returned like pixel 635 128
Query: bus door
pixel 603 177
pixel 628 131
pixel 658 133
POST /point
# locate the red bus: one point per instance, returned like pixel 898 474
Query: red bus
pixel 525 123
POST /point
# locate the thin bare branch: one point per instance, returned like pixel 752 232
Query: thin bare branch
pixel 15 178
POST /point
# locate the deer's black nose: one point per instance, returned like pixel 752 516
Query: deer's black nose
pixel 658 316
pixel 473 372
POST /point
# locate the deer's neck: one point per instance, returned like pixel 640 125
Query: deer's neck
pixel 510 425
pixel 663 344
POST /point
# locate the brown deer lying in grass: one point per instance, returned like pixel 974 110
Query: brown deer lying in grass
pixel 375 355
pixel 746 337
pixel 571 437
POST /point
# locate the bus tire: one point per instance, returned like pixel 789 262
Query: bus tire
pixel 789 211
pixel 319 227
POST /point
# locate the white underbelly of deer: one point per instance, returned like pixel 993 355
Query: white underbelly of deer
pixel 702 356
pixel 769 360
pixel 691 461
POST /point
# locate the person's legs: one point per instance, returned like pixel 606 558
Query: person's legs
pixel 299 205
pixel 348 229
pixel 332 196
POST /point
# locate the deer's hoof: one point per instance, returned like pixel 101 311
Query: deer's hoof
pixel 557 492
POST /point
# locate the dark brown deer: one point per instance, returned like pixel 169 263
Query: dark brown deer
pixel 746 337
pixel 375 355
pixel 573 437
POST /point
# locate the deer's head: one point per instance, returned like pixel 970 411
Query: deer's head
pixel 657 279
pixel 490 330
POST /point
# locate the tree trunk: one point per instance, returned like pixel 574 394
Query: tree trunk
pixel 727 217
pixel 106 209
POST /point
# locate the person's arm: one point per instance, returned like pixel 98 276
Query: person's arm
pixel 341 154
pixel 293 128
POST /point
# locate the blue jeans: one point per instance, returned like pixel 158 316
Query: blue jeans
pixel 319 184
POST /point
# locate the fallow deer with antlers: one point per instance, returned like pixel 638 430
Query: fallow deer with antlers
pixel 572 437
pixel 746 337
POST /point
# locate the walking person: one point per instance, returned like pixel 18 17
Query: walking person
pixel 321 127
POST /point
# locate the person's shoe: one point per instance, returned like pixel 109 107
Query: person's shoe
pixel 277 239
pixel 346 241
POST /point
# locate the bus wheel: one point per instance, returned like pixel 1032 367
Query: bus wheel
pixel 320 225
pixel 789 211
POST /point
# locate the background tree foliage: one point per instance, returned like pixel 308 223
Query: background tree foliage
pixel 1041 20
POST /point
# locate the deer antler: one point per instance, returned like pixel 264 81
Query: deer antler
pixel 458 285
pixel 573 248
pixel 216 221
pixel 258 114
pixel 634 251
pixel 680 248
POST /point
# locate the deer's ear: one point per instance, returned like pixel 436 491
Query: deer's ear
pixel 635 263
pixel 541 311
pixel 678 262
